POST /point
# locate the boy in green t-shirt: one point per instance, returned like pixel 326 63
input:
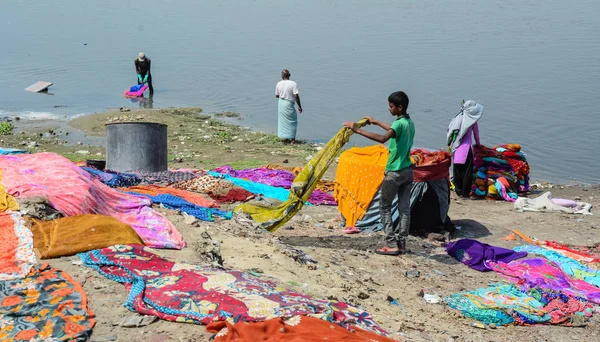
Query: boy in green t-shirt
pixel 398 171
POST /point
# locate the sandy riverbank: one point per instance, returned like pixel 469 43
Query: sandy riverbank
pixel 348 269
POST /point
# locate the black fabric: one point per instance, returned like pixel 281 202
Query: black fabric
pixel 463 176
pixel 142 67
pixel 424 217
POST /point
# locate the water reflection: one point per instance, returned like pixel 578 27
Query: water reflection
pixel 144 102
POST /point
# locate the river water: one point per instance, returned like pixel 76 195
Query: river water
pixel 534 65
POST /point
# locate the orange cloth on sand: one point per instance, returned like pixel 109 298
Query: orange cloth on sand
pixel 7 202
pixel 358 177
pixel 154 190
pixel 323 184
pixel 294 329
pixel 74 234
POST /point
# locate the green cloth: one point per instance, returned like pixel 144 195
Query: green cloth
pixel 401 144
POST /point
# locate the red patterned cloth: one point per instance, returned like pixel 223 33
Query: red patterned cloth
pixel 201 294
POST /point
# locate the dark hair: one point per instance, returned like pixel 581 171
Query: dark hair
pixel 286 73
pixel 399 98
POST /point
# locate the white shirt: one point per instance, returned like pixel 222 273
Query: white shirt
pixel 286 90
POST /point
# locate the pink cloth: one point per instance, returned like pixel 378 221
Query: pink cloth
pixel 72 191
pixel 462 151
pixel 136 93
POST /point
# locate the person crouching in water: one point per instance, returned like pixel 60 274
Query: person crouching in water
pixel 398 171
pixel 461 131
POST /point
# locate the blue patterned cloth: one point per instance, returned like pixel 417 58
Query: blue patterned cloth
pixel 10 150
pixel 177 203
pixel 114 179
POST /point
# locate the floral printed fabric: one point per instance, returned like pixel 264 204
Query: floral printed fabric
pixel 218 189
pixel 72 191
pixel 499 304
pixel 293 329
pixel 201 294
pixel 16 249
pixel 47 305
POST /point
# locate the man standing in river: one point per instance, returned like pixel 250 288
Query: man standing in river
pixel 287 121
pixel 142 68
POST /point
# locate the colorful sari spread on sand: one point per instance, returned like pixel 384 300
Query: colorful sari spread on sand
pixel 75 234
pixel 505 304
pixel 276 178
pixel 579 253
pixel 542 274
pixel 271 218
pixel 218 189
pixel 570 266
pixel 323 185
pixel 189 196
pixel 500 172
pixel 7 202
pixel 47 305
pixel 279 194
pixel 293 329
pixel 114 179
pixel 177 203
pixel 16 249
pixel 73 191
pixel 499 304
pixel 202 294
pixel 358 177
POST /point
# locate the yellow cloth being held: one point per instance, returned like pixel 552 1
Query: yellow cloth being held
pixel 358 177
pixel 271 218
pixel 75 234
pixel 7 202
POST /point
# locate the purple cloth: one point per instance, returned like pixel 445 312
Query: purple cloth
pixel 462 151
pixel 477 255
pixel 277 178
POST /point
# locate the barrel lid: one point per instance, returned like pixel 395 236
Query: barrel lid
pixel 136 123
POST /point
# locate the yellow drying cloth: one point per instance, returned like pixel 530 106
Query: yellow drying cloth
pixel 358 177
pixel 7 202
pixel 271 218
pixel 75 234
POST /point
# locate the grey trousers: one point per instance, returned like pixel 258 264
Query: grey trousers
pixel 396 183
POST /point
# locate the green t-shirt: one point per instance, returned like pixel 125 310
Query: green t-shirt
pixel 401 144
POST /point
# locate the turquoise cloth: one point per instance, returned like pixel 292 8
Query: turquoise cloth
pixel 570 266
pixel 287 121
pixel 280 194
pixel 497 304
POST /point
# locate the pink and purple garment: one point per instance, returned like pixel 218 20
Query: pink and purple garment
pixel 478 255
pixel 466 145
pixel 541 273
pixel 276 178
pixel 135 93
pixel 73 191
